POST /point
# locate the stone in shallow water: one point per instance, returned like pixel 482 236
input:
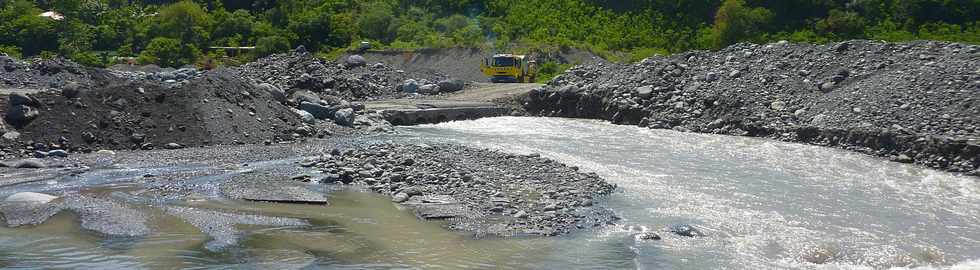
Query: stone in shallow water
pixel 30 197
pixel 685 230
pixel 99 215
pixel 648 236
pixel 108 217
pixel 27 213
pixel 254 188
pixel 29 163
pixel 436 207
pixel 221 226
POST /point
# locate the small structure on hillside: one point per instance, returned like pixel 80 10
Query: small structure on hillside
pixel 50 14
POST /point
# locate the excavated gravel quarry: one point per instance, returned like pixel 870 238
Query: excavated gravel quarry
pixel 124 149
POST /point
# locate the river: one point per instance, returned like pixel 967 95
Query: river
pixel 761 204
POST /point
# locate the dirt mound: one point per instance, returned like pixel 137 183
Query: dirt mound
pixel 908 101
pixel 462 63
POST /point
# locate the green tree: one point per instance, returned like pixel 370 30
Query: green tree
pixel 452 23
pixel 184 20
pixel 236 26
pixel 375 22
pixel 271 45
pixel 469 36
pixel 736 22
pixel 310 29
pixel 168 52
pixel 75 37
pixel 35 34
pixel 842 24
pixel 413 32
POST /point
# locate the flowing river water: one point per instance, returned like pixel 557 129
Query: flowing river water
pixel 761 204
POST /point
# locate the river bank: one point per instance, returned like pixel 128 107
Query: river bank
pixel 908 102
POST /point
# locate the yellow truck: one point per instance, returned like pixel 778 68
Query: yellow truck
pixel 509 68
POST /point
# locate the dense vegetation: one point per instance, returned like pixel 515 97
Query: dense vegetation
pixel 173 33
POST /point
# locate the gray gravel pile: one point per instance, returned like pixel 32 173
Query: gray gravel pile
pixel 481 191
pixel 351 80
pixel 219 107
pixel 40 73
pixel 170 78
pixel 910 102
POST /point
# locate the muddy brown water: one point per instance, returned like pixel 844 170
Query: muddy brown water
pixel 357 230
pixel 762 205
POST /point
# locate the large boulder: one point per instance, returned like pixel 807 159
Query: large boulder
pixel 275 92
pixel 30 197
pixel 8 64
pixel 429 89
pixel 408 86
pixel 344 117
pixel 11 135
pixel 450 85
pixel 71 90
pixel 300 96
pixel 22 99
pixel 20 115
pixel 355 61
pixel 318 111
pixel 644 92
pixel 334 101
pixel 305 116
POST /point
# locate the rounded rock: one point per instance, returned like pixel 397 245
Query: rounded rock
pixel 685 230
pixel 355 61
pixel 30 197
pixel 344 117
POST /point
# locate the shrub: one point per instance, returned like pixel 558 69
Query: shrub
pixel 87 59
pixel 12 51
pixel 271 45
pixel 735 22
pixel 168 52
pixel 549 70
pixel 842 24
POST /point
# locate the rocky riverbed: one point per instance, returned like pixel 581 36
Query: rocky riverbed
pixel 483 192
pixel 488 192
pixel 909 102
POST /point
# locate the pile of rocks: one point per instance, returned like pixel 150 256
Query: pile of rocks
pixel 910 102
pixel 317 89
pixel 42 73
pixel 430 88
pixel 481 191
pixel 170 78
pixel 109 112
pixel 352 80
pixel 21 109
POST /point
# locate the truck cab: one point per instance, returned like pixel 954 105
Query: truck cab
pixel 509 68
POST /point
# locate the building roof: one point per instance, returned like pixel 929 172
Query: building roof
pixel 52 15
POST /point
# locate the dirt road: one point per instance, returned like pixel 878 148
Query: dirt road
pixel 480 94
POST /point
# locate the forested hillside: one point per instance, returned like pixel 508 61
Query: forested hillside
pixel 169 33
